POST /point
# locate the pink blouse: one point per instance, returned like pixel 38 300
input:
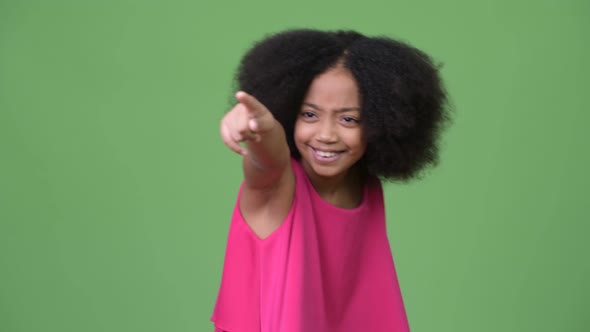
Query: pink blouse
pixel 325 269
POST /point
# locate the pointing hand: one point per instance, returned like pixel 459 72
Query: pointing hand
pixel 249 120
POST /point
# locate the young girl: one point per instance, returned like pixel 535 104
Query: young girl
pixel 320 118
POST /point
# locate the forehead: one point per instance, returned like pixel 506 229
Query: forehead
pixel 335 87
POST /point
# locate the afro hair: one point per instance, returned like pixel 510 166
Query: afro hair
pixel 403 101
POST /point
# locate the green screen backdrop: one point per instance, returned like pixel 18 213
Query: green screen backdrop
pixel 116 191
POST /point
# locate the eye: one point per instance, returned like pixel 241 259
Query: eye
pixel 350 120
pixel 308 114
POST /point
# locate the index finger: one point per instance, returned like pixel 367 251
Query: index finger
pixel 254 107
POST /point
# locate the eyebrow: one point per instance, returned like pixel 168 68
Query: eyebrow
pixel 344 109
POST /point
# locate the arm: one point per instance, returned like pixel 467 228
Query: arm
pixel 269 182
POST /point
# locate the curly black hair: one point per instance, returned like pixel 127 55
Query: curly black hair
pixel 403 101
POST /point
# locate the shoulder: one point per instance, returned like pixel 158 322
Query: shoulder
pixel 374 191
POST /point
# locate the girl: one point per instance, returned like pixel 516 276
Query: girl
pixel 320 118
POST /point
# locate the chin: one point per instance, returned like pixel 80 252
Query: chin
pixel 326 170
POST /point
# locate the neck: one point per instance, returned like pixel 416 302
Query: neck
pixel 345 190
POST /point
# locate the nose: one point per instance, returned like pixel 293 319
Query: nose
pixel 327 132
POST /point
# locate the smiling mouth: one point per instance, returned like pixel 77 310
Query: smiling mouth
pixel 326 156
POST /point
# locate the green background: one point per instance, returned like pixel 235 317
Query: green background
pixel 116 190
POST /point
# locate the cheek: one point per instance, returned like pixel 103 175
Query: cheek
pixel 355 139
pixel 296 132
pixel 301 132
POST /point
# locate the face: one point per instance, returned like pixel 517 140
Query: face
pixel 328 131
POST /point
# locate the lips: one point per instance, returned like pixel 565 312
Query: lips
pixel 326 156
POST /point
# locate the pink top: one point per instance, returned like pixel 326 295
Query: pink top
pixel 324 269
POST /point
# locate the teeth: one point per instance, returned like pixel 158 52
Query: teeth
pixel 325 154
